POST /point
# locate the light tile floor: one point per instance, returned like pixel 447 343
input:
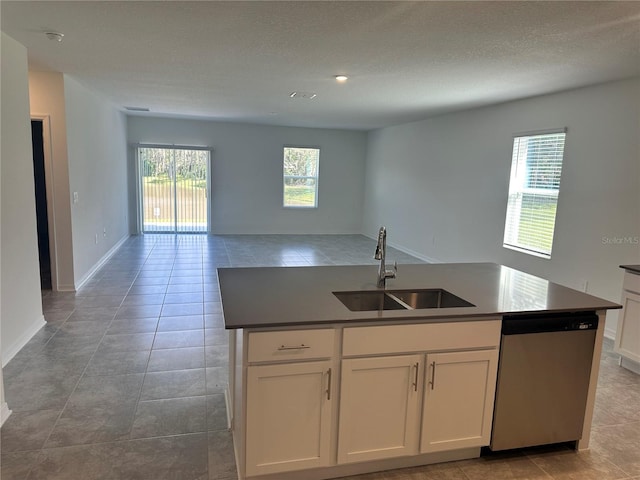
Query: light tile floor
pixel 125 380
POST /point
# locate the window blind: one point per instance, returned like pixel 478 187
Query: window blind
pixel 536 168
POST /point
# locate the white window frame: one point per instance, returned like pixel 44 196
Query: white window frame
pixel 519 188
pixel 315 178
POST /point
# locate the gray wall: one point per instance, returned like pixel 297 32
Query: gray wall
pixel 247 173
pixel 96 143
pixel 440 185
pixel 21 305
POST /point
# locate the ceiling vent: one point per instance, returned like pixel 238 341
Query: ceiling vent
pixel 136 109
pixel 303 95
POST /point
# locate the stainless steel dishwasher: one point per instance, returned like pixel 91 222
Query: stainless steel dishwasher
pixel 543 379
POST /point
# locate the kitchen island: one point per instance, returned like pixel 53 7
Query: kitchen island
pixel 321 387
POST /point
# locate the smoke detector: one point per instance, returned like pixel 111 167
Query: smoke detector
pixel 54 36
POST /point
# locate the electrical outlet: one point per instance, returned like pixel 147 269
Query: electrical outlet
pixel 75 197
pixel 104 232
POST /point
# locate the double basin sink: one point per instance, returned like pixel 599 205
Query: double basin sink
pixel 371 300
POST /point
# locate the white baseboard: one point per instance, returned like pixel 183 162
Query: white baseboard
pixel 105 258
pixel 408 251
pixel 404 249
pixel 609 333
pixel 66 288
pixel 4 413
pixel 11 351
pixel 630 365
pixel 611 324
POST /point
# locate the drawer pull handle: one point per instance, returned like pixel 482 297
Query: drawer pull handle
pixel 433 375
pixel 291 347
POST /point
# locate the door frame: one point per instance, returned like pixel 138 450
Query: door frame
pixel 49 189
pixel 138 182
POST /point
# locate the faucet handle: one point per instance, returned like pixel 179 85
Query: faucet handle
pixel 392 273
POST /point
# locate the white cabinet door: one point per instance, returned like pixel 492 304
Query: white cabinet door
pixel 379 408
pixel 288 417
pixel 458 404
pixel 628 333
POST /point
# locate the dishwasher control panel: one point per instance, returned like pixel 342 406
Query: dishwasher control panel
pixel 549 322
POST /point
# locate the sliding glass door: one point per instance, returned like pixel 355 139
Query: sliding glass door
pixel 174 189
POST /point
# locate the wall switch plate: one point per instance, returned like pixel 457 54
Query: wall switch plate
pixel 96 238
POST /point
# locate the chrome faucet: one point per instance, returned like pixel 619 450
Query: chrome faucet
pixel 381 251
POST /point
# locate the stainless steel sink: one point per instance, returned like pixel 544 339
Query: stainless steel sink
pixel 363 301
pixel 368 301
pixel 431 298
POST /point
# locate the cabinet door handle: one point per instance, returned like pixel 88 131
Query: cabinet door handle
pixel 329 384
pixel 433 375
pixel 293 347
pixel 415 380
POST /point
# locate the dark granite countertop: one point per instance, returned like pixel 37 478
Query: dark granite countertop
pixel 631 268
pixel 289 296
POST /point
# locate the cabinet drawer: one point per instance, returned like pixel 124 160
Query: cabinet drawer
pixel 631 282
pixel 387 339
pixel 290 345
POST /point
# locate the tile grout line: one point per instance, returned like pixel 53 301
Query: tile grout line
pixel 85 368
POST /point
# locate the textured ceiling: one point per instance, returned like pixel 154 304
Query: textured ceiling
pixel 239 61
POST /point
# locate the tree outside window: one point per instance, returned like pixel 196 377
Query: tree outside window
pixel 300 185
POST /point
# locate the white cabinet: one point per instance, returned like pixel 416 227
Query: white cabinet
pixel 288 417
pixel 394 404
pixel 379 408
pixel 288 394
pixel 628 332
pixel 458 401
pixel 342 400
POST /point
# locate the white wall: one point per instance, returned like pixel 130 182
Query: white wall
pixel 46 96
pixel 440 185
pixel 21 309
pixel 247 173
pixel 97 149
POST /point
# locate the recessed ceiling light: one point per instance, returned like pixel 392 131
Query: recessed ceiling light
pixel 54 36
pixel 341 78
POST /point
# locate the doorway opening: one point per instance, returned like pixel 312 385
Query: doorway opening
pixel 42 216
pixel 174 189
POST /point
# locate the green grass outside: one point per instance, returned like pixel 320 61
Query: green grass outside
pixel 537 218
pixel 299 196
pixel 158 200
pixel 164 180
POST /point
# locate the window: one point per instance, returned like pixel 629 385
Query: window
pixel 301 177
pixel 173 188
pixel 536 166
